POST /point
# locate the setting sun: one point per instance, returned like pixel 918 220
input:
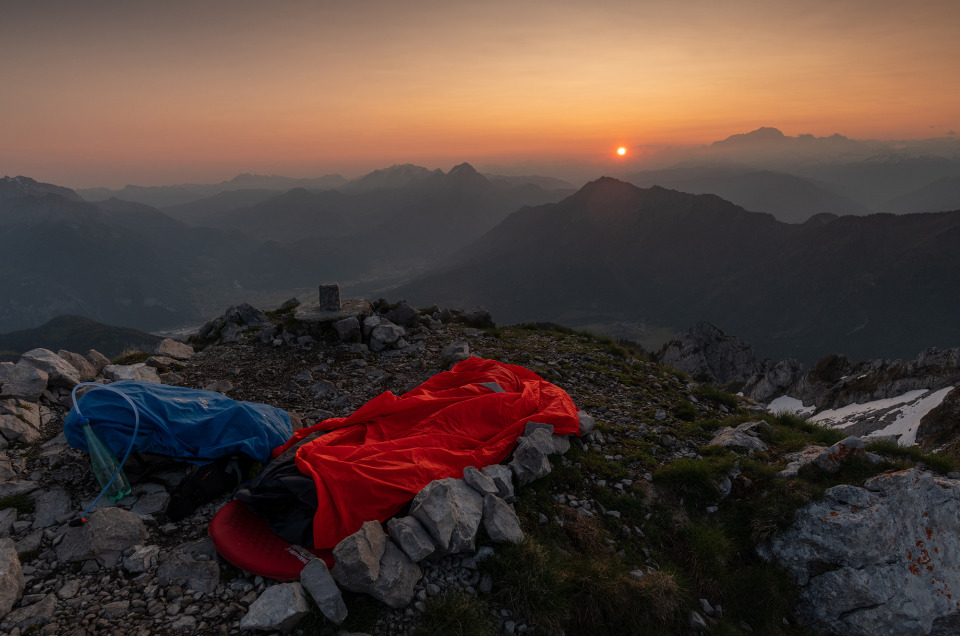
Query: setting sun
pixel 621 151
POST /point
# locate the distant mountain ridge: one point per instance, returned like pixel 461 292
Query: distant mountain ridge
pixel 789 198
pixel 75 333
pixel 862 286
pixel 164 196
pixel 124 262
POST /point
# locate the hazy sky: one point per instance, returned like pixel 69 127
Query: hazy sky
pixel 149 92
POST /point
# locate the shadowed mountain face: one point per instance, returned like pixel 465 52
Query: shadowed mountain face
pixel 864 286
pixel 940 196
pixel 127 263
pixel 789 198
pixel 75 333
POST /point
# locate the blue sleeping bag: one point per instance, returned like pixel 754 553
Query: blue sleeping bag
pixel 186 424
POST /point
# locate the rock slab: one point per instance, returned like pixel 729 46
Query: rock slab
pixel 882 560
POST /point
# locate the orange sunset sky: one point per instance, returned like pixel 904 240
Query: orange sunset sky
pixel 108 93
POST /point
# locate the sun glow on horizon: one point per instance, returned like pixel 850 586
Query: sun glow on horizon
pixel 621 151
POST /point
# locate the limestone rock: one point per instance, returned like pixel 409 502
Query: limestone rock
pixel 6 469
pixel 370 323
pixel 879 560
pixel 143 559
pixel 17 487
pixel 500 521
pixel 477 317
pixel 502 476
pixel 707 354
pixel 586 422
pixel 531 457
pixel 317 580
pixel 478 481
pixel 411 537
pixel 22 381
pixel 533 426
pixel 85 371
pixel 61 373
pixel 139 371
pixel 450 511
pixel 107 533
pixel 34 616
pixel 11 577
pixel 834 456
pixel 97 359
pixel 19 421
pixel 745 436
pixel 773 380
pixel 170 348
pixel 358 557
pixel 455 352
pixel 246 315
pixel 384 335
pixel 398 578
pixel 403 315
pixel 53 507
pixel 348 329
pixel 279 608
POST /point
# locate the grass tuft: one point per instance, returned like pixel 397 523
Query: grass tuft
pixel 22 502
pixel 455 614
pixel 131 356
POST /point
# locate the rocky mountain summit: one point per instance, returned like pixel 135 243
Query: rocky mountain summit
pixel 916 400
pixel 676 510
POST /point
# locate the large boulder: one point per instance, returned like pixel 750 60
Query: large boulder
pixel 370 563
pixel 707 354
pixel 22 380
pixel 85 371
pixel 881 560
pixel 450 511
pixel 358 557
pixel 60 372
pixel 396 585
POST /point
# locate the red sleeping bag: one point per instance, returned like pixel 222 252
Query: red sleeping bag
pixel 373 462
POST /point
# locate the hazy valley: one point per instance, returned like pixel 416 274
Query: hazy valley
pixel 801 245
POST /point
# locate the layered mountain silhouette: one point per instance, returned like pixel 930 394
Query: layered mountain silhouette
pixel 862 286
pixel 128 263
pixel 942 194
pixel 164 196
pixel 75 333
pixel 789 198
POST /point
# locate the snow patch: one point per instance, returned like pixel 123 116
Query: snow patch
pixel 899 415
pixel 787 404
